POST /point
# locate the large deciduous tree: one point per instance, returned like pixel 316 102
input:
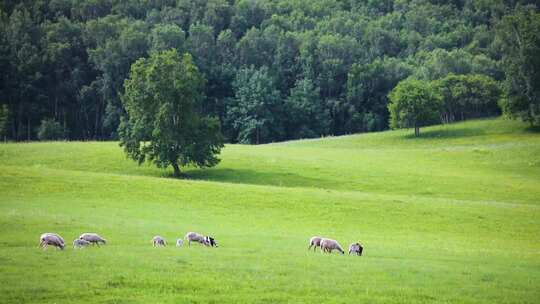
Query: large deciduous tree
pixel 163 123
pixel 414 104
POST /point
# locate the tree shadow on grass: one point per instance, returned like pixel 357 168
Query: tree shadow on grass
pixel 447 133
pixel 252 177
pixel 533 129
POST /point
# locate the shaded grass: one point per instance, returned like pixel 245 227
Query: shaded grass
pixel 451 220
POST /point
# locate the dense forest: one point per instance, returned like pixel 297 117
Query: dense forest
pixel 273 70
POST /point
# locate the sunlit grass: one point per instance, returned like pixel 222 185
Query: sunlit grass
pixel 452 217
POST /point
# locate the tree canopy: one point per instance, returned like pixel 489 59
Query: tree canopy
pixel 519 37
pixel 163 124
pixel 414 104
pixel 468 96
pixel 326 65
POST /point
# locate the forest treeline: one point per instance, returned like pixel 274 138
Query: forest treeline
pixel 274 69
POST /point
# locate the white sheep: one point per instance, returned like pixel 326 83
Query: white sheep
pixel 356 248
pixel 328 245
pixel 199 238
pixel 179 243
pixel 78 243
pixel 315 242
pixel 93 238
pixel 194 237
pixel 53 239
pixel 159 241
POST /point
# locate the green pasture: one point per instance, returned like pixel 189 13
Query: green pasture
pixel 450 217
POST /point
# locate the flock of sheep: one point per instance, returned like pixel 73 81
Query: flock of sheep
pixel 190 237
pixel 329 245
pixel 53 239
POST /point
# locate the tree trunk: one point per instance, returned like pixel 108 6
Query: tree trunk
pixel 176 170
pixel 416 131
pixel 28 130
pixel 257 132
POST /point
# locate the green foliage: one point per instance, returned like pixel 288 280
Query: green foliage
pixel 255 111
pixel 68 60
pixel 307 115
pixel 368 86
pixel 414 103
pixel 49 129
pixel 468 96
pixel 163 124
pixel 439 63
pixel 167 36
pixel 519 37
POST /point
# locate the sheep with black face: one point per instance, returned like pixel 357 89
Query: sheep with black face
pixel 199 238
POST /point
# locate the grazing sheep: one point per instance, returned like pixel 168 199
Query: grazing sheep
pixel 159 241
pixel 53 239
pixel 194 237
pixel 315 242
pixel 356 248
pixel 93 238
pixel 328 245
pixel 78 243
pixel 210 241
pixel 179 243
pixel 199 238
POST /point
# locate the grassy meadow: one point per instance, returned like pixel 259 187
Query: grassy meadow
pixel 450 217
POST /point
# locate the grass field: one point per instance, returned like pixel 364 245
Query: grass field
pixel 451 217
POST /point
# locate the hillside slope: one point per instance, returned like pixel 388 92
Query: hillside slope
pixel 449 217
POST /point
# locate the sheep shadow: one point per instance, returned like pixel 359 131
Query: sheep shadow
pixel 247 176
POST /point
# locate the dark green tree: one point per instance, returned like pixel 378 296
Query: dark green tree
pixel 414 104
pixel 167 36
pixel 307 116
pixel 4 121
pixel 115 44
pixel 519 37
pixel 368 86
pixel 163 123
pixel 255 111
pixel 49 129
pixel 468 96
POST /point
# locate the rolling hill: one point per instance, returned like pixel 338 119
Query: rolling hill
pixel 452 217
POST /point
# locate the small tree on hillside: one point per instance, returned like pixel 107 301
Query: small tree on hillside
pixel 163 124
pixel 468 96
pixel 414 104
